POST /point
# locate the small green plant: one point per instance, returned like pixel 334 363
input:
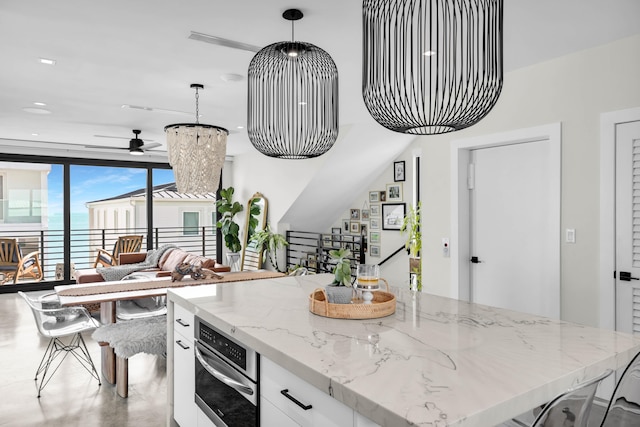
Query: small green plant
pixel 254 212
pixel 411 226
pixel 229 228
pixel 342 272
pixel 269 242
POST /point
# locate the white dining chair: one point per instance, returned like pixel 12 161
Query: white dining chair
pixel 571 408
pixel 64 327
pixel 624 407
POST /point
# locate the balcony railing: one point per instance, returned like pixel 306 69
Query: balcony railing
pixel 311 250
pixel 86 242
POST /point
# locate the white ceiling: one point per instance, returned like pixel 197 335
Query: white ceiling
pixel 136 52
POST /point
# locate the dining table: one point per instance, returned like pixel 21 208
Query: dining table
pixel 107 294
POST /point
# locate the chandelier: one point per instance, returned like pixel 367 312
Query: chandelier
pixel 293 98
pixel 196 153
pixel 431 66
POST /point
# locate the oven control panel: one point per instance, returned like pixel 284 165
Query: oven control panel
pixel 234 352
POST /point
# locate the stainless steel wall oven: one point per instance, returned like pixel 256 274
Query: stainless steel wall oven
pixel 226 376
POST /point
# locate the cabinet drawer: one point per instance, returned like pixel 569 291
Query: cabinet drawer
pixel 183 321
pixel 325 411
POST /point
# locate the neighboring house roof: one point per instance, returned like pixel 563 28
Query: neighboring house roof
pixel 164 191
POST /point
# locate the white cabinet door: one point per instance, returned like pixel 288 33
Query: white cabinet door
pixel 362 421
pixel 302 402
pixel 272 416
pixel 203 420
pixel 184 383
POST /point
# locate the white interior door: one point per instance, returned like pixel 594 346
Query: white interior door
pixel 513 228
pixel 628 227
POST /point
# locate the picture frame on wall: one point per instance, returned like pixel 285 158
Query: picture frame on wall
pixel 363 229
pixel 374 211
pixel 355 214
pixel 336 230
pixel 374 237
pixel 393 215
pixel 398 171
pixel 374 196
pixel 327 240
pixel 364 214
pixel 346 226
pixel 374 224
pixel 374 251
pixel 354 227
pixel 383 196
pixel 394 192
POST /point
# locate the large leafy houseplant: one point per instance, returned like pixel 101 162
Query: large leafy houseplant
pixel 228 209
pixel 411 226
pixel 269 242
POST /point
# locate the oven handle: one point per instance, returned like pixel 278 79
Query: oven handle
pixel 219 375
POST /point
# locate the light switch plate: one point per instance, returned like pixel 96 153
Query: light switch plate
pixel 571 235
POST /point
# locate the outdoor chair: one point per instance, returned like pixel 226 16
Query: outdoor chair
pixel 124 244
pixel 14 266
pixel 58 323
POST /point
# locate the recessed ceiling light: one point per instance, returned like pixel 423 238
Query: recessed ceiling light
pixel 35 134
pixel 240 127
pixel 36 110
pixel 429 53
pixel 47 61
pixel 231 77
pixel 40 104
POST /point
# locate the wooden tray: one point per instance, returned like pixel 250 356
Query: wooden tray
pixel 383 304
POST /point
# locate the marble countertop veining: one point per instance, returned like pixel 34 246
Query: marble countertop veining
pixel 435 362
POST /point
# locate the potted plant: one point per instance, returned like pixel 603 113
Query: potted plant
pixel 340 290
pixel 411 226
pixel 227 210
pixel 269 242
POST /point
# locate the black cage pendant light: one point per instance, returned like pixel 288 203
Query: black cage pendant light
pixel 293 99
pixel 431 66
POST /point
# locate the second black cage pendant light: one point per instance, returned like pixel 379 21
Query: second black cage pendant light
pixel 293 98
pixel 431 66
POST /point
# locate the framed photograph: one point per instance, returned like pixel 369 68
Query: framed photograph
pixel 364 214
pixel 355 214
pixel 374 250
pixel 327 240
pixel 345 226
pixel 374 196
pixel 374 237
pixel 394 192
pixel 374 224
pixel 383 196
pixel 374 211
pixel 393 215
pixel 398 171
pixel 355 227
pixel 363 229
pixel 336 230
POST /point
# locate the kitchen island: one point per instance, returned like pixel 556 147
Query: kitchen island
pixel 436 361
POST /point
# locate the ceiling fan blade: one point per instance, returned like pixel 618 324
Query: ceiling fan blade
pixel 149 146
pixel 105 147
pixel 223 42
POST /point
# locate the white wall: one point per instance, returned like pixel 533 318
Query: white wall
pixel 573 90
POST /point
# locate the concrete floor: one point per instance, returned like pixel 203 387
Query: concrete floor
pixel 72 397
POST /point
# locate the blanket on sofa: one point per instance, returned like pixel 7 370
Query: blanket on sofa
pixel 118 272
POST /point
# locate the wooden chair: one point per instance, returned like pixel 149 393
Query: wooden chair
pixel 124 244
pixel 15 266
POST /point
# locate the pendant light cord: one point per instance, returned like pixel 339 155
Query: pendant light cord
pixel 197 107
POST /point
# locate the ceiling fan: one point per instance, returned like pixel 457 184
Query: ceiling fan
pixel 137 147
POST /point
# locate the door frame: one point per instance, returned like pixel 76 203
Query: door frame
pixel 460 287
pixel 607 293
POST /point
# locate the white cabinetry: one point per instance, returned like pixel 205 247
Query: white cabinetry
pixel 185 409
pixel 288 400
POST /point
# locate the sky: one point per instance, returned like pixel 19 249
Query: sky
pixel 90 183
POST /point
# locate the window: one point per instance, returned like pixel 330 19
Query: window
pixel 190 223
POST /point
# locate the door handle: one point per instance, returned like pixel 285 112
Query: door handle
pixel 475 260
pixel 625 276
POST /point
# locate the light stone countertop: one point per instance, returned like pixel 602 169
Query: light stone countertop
pixel 435 362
